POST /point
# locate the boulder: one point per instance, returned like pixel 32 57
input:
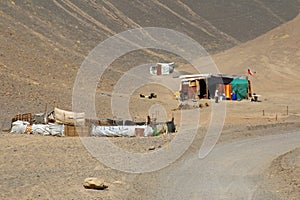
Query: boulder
pixel 151 148
pixel 95 183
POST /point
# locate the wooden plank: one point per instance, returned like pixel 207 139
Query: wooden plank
pixel 158 68
pixel 73 131
pixel 197 89
pixel 249 89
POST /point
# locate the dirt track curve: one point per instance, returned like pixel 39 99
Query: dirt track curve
pixel 231 171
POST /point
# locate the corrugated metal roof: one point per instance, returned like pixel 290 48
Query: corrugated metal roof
pixel 199 76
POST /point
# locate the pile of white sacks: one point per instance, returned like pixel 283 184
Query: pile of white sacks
pixel 42 129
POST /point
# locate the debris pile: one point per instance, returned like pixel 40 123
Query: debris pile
pixel 65 123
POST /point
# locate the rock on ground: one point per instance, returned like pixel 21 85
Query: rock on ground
pixel 95 183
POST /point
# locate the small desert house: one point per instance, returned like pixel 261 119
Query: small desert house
pixel 206 86
pixel 162 69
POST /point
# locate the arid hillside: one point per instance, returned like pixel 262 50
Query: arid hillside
pixel 43 43
pixel 274 58
pixel 275 54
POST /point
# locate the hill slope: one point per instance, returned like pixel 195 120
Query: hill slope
pixel 274 57
pixel 43 43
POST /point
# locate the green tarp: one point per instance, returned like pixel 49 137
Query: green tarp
pixel 240 87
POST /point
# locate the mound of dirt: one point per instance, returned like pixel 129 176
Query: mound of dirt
pixel 283 175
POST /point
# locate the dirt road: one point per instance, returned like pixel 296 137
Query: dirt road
pixel 232 170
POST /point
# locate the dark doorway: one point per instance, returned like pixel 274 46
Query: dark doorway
pixel 203 89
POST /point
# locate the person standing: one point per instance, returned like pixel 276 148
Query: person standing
pixel 217 96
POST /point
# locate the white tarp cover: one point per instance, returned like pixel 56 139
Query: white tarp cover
pixel 166 68
pixel 118 131
pixel 43 129
pixel 48 129
pixel 19 126
pixel 56 129
pixel 67 117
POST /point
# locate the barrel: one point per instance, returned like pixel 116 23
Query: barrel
pixel 234 96
pixel 228 90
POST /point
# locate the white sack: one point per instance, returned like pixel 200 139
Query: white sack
pixel 19 126
pixel 42 129
pixel 56 129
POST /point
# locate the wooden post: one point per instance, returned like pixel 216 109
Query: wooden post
pixel 287 110
pixel 45 116
pixel 276 117
pixel 197 89
pixel 207 91
pixel 263 111
pixel 249 89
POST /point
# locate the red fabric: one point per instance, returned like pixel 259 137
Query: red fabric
pixel 250 72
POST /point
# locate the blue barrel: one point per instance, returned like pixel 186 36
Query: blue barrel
pixel 234 96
